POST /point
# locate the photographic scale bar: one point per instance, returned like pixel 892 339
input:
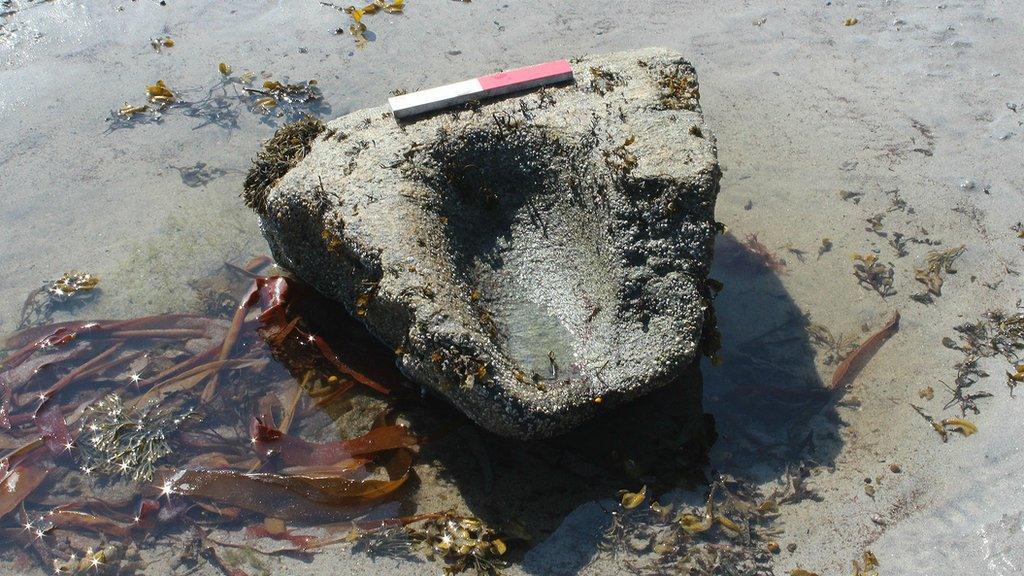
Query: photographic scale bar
pixel 480 88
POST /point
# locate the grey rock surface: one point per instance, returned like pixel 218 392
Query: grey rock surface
pixel 534 259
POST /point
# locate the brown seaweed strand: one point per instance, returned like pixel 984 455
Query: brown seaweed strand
pixel 857 359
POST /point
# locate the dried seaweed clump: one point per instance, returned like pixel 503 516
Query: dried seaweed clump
pixel 679 89
pixel 118 442
pixel 604 81
pixel 281 153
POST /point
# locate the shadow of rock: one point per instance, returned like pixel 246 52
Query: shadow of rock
pixel 766 402
pixel 771 408
pixel 527 488
pixel 766 407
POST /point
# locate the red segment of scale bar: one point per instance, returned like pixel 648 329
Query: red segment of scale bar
pixel 526 75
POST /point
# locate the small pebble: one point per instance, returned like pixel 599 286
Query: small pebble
pixel 791 547
pixel 895 468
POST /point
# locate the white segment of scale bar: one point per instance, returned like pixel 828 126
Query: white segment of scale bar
pixel 435 98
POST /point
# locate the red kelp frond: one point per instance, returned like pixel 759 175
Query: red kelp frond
pixel 760 253
pixel 299 496
pixel 298 452
pixel 55 429
pixel 18 482
pixel 274 295
pixel 131 401
pixel 300 541
pixel 159 327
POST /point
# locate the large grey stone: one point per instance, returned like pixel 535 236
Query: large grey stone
pixel 534 259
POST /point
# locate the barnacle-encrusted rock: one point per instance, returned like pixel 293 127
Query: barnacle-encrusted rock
pixel 534 259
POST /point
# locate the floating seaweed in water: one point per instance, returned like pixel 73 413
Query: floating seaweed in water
pixel 385 542
pixel 730 534
pixel 270 442
pixel 937 262
pixel 303 493
pixel 796 252
pixel 757 249
pixel 73 284
pixel 217 294
pixel 111 559
pixel 968 373
pixel 850 196
pixel 118 441
pixel 996 334
pixel 836 347
pixel 158 93
pixel 867 564
pixel 873 275
pixel 130 113
pixel 69 291
pixel 19 482
pixel 161 42
pixel 221 103
pixel 126 434
pixel 856 360
pixel 275 94
pixel 357 28
pixel 897 240
pixel 946 425
pixel 459 543
pixel 159 98
pixel 960 425
pixel 863 567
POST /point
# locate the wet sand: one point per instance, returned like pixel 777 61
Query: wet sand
pixel 921 99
